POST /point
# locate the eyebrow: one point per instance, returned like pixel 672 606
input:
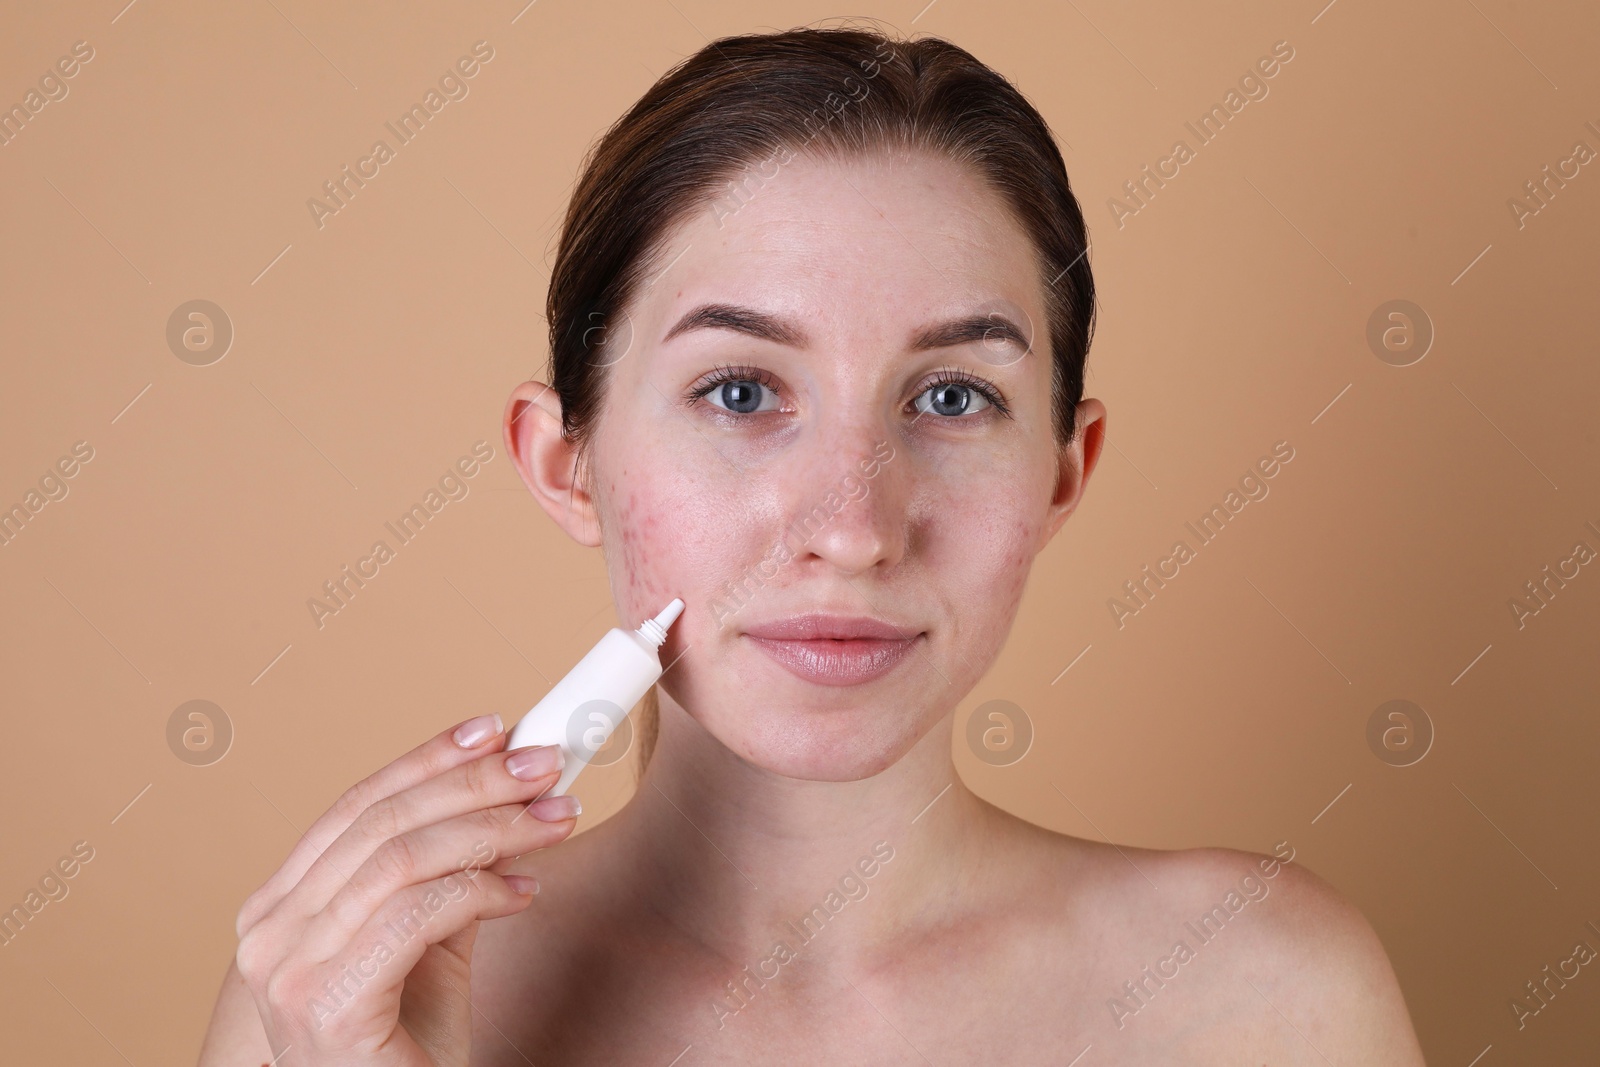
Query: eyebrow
pixel 759 324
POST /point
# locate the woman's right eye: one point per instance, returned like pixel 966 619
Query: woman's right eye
pixel 743 397
pixel 740 390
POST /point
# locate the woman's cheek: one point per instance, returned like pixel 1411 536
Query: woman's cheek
pixel 989 543
pixel 1015 562
pixel 641 566
pixel 671 545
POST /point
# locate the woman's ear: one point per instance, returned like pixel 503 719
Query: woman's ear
pixel 1075 463
pixel 548 462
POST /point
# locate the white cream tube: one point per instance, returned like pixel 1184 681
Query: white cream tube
pixel 580 711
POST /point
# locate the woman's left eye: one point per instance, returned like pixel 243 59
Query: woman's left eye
pixel 950 398
pixel 958 394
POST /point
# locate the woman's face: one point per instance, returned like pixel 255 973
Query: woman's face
pixel 851 464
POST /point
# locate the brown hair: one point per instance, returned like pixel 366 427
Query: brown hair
pixel 752 100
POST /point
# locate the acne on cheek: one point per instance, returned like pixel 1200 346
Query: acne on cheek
pixel 652 558
pixel 1014 564
pixel 1010 561
pixel 636 527
pixel 984 620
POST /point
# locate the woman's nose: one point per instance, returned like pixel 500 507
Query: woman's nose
pixel 847 509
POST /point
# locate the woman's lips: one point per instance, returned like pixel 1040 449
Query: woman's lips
pixel 827 661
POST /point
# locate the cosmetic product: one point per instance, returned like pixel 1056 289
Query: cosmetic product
pixel 582 710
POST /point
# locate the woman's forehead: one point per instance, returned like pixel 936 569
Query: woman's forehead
pixel 894 242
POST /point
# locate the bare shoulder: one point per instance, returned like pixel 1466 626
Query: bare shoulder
pixel 1218 952
pixel 1317 963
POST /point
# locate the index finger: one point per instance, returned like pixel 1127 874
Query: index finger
pixel 462 743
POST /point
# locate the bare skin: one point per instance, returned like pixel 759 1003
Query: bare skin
pixel 943 930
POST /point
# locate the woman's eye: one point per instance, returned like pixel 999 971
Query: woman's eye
pixel 950 398
pixel 743 397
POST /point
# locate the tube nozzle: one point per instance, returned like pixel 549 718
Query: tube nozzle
pixel 655 630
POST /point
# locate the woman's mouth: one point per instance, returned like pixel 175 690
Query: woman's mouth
pixel 835 649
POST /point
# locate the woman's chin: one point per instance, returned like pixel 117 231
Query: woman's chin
pixel 833 747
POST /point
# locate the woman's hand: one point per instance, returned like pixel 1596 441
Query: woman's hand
pixel 358 949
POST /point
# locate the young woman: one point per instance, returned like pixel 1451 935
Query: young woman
pixel 819 322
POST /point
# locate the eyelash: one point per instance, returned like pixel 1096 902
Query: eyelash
pixel 946 375
pixel 723 373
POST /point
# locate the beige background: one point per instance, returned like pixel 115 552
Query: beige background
pixel 371 353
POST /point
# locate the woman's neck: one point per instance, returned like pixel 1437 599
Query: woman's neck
pixel 736 857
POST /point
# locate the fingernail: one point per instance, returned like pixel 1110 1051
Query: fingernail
pixel 475 732
pixel 554 809
pixel 531 763
pixel 521 883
